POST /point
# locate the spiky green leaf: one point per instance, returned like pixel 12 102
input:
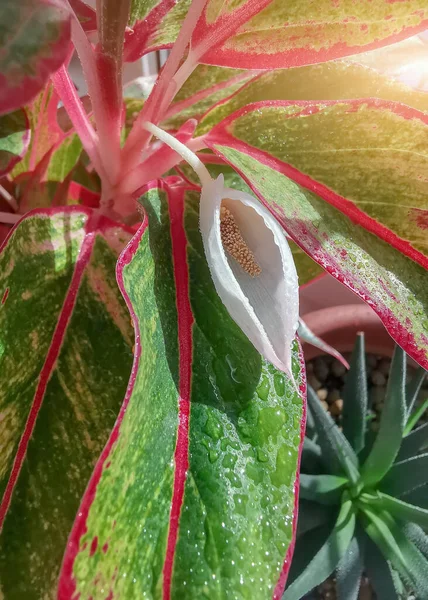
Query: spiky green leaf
pixel 325 489
pixel 336 452
pixel 379 571
pixel 413 443
pixel 350 569
pixel 406 476
pixel 327 559
pixel 388 440
pixel 354 416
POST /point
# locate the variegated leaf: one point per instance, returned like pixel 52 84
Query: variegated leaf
pixel 65 359
pixel 194 494
pixel 34 41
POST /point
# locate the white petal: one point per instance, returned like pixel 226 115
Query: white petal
pixel 265 307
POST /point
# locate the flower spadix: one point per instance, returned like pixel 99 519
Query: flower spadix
pixel 250 262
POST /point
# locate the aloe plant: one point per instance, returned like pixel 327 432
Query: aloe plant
pixel 364 495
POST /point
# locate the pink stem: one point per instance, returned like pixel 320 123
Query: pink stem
pixel 9 218
pixel 74 107
pixel 166 86
pixel 155 166
pixel 109 152
pixel 9 199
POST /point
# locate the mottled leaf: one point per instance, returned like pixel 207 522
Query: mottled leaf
pixel 153 24
pixel 393 284
pixel 327 81
pixel 277 34
pixel 205 87
pixel 14 139
pixel 374 172
pixel 34 41
pixel 65 359
pixel 194 493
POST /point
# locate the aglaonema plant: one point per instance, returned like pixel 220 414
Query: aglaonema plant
pixel 151 383
pixel 364 495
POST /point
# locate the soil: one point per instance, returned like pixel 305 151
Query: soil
pixel 327 376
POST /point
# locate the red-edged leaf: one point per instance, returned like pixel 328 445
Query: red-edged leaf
pixel 86 14
pixel 194 494
pixel 393 284
pixel 366 157
pixel 65 359
pixel 205 87
pixel 329 81
pixel 34 41
pixel 266 34
pixel 153 24
pixel 14 139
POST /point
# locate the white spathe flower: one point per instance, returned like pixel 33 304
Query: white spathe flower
pixel 250 261
pixel 265 305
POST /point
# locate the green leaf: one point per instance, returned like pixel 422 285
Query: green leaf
pixel 325 489
pixel 355 397
pixel 388 440
pixel 271 35
pixel 379 572
pixel 405 476
pixel 417 536
pixel 307 546
pixel 390 282
pixel 413 443
pixel 326 81
pixel 350 569
pixel 311 516
pixel 415 417
pixel 327 559
pixel 418 496
pixel 336 453
pixel 311 456
pixel 34 37
pixel 403 510
pixel 399 550
pixel 413 388
pixel 14 139
pixel 200 472
pixel 65 359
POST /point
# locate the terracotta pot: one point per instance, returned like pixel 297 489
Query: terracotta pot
pixel 339 325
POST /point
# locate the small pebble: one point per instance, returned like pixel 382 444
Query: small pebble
pixel 371 360
pixel 321 369
pixel 337 407
pixel 314 382
pixel 384 366
pixel 322 394
pixel 338 369
pixel 333 395
pixel 324 404
pixel 378 378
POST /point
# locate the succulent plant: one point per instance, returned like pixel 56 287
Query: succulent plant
pixel 364 495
